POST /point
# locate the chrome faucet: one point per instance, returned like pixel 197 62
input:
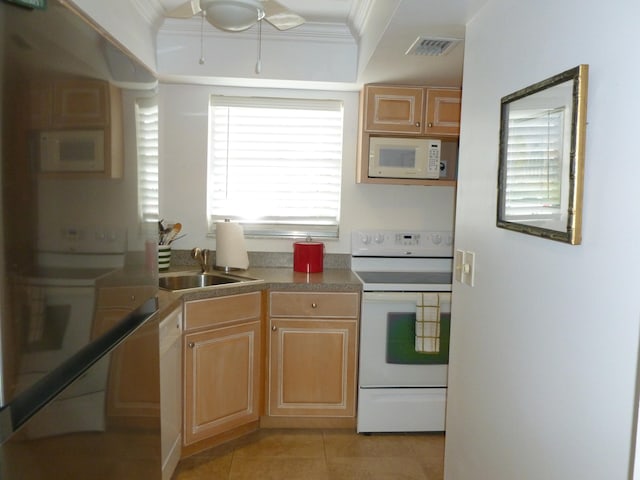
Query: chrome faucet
pixel 202 257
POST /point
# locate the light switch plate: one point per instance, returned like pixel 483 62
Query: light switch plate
pixel 458 265
pixel 469 268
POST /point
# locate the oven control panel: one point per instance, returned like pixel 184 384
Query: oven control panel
pixel 394 243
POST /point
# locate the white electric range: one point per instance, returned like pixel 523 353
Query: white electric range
pixel 404 329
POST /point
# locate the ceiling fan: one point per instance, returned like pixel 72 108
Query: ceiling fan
pixel 239 15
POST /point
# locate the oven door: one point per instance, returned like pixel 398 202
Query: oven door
pixel 392 352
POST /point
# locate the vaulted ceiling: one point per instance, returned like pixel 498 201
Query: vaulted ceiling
pixel 376 33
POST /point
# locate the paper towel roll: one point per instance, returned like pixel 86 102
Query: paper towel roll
pixel 230 248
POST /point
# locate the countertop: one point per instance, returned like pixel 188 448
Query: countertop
pixel 330 280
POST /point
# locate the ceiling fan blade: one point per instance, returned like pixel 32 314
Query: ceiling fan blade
pixel 186 10
pixel 280 16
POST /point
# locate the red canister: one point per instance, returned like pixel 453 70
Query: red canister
pixel 308 256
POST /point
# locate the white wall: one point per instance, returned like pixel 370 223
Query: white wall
pixel 125 23
pixel 544 347
pixel 183 147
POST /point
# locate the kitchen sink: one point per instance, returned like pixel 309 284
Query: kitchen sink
pixel 198 280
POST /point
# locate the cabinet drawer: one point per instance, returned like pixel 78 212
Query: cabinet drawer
pixel 216 311
pixel 316 304
pixel 127 297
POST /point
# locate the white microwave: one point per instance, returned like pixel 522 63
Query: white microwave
pixel 72 151
pixel 395 157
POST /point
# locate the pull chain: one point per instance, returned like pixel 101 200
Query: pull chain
pixel 201 61
pixel 259 62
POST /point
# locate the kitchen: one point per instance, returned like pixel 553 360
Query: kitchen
pixel 489 433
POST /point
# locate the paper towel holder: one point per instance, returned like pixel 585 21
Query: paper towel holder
pixel 231 253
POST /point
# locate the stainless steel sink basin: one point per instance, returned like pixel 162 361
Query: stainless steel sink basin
pixel 197 280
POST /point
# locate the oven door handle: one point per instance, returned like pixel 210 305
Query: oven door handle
pixel 386 297
pixel 390 296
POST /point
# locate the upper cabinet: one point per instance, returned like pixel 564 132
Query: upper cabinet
pixel 393 109
pixel 410 112
pixel 81 110
pixel 81 102
pixel 415 111
pixel 73 103
pixel 443 112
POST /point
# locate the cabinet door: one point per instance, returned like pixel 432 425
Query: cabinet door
pixel 222 380
pixel 312 370
pixel 40 100
pixel 133 392
pixel 113 303
pixel 80 103
pixel 171 391
pixel 443 112
pixel 393 109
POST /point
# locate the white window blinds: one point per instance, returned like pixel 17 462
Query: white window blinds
pixel 534 164
pixel 146 112
pixel 275 165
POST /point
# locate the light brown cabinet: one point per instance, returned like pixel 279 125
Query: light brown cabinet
pixel 72 104
pixel 390 109
pixel 313 354
pixel 222 349
pixel 170 332
pixel 80 104
pixel 409 111
pixel 414 111
pixel 113 302
pixel 133 388
pixel 442 112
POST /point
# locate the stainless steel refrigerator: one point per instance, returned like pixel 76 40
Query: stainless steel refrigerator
pixel 78 266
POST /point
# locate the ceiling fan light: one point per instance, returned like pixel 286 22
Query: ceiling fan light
pixel 233 15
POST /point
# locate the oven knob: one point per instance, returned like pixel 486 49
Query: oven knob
pixel 436 238
pixel 365 238
pixel 449 240
pixel 379 238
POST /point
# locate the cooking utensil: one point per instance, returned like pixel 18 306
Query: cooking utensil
pixel 172 233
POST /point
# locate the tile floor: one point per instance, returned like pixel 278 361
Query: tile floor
pixel 275 454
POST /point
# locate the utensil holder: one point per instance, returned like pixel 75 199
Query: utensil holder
pixel 164 257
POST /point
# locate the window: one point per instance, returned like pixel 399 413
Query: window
pixel 275 165
pixel 147 142
pixel 534 158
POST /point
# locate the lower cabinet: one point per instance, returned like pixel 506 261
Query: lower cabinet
pixel 313 354
pixel 222 350
pixel 170 333
pixel 133 381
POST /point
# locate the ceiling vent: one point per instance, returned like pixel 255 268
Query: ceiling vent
pixel 432 46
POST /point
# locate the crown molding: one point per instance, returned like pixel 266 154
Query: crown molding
pixel 310 31
pixel 359 15
pixel 151 11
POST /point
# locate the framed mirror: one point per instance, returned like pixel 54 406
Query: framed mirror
pixel 541 165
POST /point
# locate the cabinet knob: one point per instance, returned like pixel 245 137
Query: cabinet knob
pixel 314 305
pixel 418 124
pixel 274 328
pixel 430 124
pixel 191 344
